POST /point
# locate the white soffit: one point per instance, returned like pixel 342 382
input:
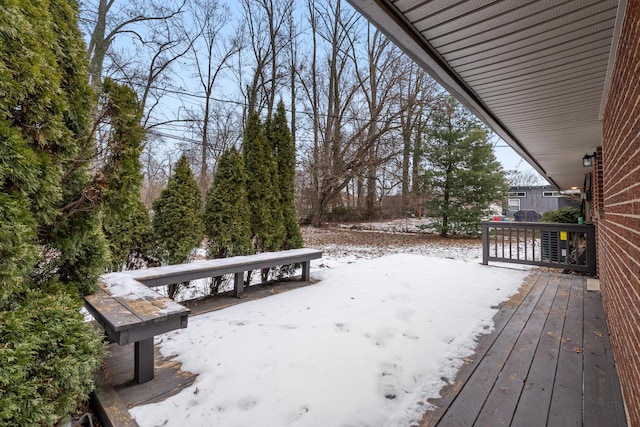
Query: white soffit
pixel 534 70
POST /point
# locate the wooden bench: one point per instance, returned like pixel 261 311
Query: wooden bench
pixel 237 265
pixel 130 312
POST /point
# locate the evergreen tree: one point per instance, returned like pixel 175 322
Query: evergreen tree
pixel 266 230
pixel 177 218
pixel 463 176
pixel 51 244
pixel 284 150
pixel 226 214
pixel 126 222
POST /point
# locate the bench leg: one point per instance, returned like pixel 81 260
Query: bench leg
pixel 238 284
pixel 306 267
pixel 143 369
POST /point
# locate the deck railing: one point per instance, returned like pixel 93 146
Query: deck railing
pixel 571 247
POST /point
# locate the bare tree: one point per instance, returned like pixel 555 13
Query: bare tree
pixel 293 34
pixel 355 113
pixel 328 108
pixel 379 87
pixel 267 31
pixel 419 93
pixel 135 43
pixel 105 20
pixel 212 48
pixel 524 178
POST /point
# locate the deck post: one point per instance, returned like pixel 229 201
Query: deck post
pixel 591 251
pixel 238 284
pixel 485 243
pixel 143 361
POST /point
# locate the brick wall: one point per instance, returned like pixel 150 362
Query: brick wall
pixel 619 224
pixel 597 198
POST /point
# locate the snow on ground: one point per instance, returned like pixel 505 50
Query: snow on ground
pixel 365 346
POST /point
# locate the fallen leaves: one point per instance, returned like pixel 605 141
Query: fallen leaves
pixel 373 238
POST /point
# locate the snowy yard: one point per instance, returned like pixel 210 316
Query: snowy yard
pixel 367 345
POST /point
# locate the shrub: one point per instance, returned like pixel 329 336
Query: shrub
pixel 52 248
pixel 47 359
pixel 177 216
pixel 567 215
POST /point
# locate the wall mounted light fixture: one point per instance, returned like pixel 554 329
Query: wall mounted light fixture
pixel 587 160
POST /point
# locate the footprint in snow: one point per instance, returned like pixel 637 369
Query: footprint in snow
pixel 381 337
pixel 410 335
pixel 296 416
pixel 341 327
pixel 289 327
pixel 389 380
pixel 247 403
pixel 238 322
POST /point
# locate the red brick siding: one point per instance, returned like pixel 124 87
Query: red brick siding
pixel 619 220
pixel 597 198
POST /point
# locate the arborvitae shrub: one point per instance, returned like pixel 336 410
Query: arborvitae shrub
pixel 48 358
pixel 260 166
pixel 126 222
pixel 226 214
pixel 51 245
pixel 177 216
pixel 177 219
pixel 284 150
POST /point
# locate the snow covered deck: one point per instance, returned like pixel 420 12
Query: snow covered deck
pixel 547 363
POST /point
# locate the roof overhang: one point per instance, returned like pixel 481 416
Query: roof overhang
pixel 535 72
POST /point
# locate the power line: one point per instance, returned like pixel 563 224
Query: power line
pixel 170 92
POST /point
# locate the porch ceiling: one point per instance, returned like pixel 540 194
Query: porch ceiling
pixel 534 71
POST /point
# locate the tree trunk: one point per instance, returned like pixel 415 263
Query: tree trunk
pixel 406 155
pixel 98 46
pixel 415 171
pixel 318 210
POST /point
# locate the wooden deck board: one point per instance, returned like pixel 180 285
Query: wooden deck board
pixel 599 387
pixel 536 390
pixel 566 398
pixel 473 395
pixel 507 309
pixel 548 363
pixel 169 378
pixel 500 406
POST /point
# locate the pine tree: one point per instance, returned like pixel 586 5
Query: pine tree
pixel 463 176
pixel 283 148
pixel 260 166
pixel 177 218
pixel 51 244
pixel 226 214
pixel 126 222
